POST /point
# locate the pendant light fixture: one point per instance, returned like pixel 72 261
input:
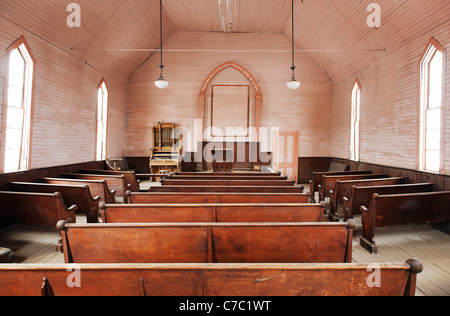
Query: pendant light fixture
pixel 293 84
pixel 161 82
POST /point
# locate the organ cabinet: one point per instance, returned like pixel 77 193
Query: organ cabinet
pixel 165 156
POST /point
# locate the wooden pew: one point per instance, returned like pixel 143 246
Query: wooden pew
pixel 97 187
pixel 227 178
pixel 402 209
pixel 329 182
pixel 72 195
pixel 131 180
pixel 37 209
pixel 344 188
pixel 208 242
pixel 171 182
pixel 199 198
pixel 115 182
pixel 210 280
pixel 211 213
pixel 229 174
pixel 318 179
pixel 361 196
pixel 229 189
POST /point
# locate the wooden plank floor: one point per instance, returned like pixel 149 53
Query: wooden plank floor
pixel 395 244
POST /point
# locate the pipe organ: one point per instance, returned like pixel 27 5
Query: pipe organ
pixel 165 156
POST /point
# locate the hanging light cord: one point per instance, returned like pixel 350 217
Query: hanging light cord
pixel 293 46
pixel 161 34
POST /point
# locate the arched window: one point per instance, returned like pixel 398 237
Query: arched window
pixel 355 121
pixel 431 104
pixel 17 107
pixel 102 120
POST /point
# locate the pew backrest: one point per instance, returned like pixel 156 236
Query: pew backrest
pixel 317 178
pixel 402 209
pixel 362 195
pixel 329 182
pixel 227 189
pixel 344 189
pixel 131 180
pixel 207 242
pixel 202 198
pixel 97 187
pixel 229 174
pixel 171 182
pixel 228 178
pixel 115 182
pixel 212 213
pixel 38 209
pixel 71 194
pixel 211 280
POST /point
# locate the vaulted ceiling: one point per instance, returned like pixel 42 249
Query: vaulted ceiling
pixel 117 36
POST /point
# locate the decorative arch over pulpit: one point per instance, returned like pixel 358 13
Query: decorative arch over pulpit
pixel 210 77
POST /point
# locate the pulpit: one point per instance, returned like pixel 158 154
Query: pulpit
pixel 223 159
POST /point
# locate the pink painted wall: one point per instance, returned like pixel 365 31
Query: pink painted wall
pixel 64 122
pixel 266 56
pixel 390 103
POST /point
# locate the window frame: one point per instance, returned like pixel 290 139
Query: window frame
pixel 355 154
pixel 423 105
pixel 104 155
pixel 29 83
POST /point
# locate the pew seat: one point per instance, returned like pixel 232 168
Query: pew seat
pixel 211 213
pixel 36 209
pixel 210 280
pixel 207 242
pixel 72 195
pixel 402 209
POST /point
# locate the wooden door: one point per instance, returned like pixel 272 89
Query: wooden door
pixel 285 153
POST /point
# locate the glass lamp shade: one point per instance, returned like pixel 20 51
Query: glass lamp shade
pixel 293 84
pixel 161 83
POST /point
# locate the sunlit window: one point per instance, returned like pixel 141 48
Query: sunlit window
pixel 355 125
pixel 432 69
pixel 102 120
pixel 18 110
